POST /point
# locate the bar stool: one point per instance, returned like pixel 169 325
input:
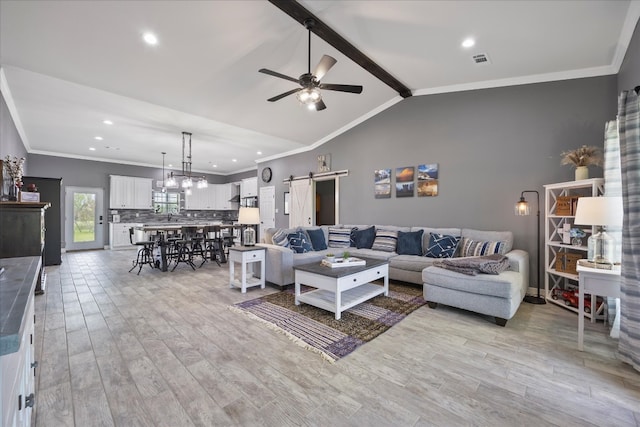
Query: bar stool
pixel 212 244
pixel 183 249
pixel 145 253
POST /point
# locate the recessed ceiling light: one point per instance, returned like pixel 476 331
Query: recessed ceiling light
pixel 215 166
pixel 259 153
pixel 99 138
pixel 170 165
pixel 468 42
pixel 107 122
pixel 150 38
pixel 234 160
pixel 92 149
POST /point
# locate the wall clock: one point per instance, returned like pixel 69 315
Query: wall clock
pixel 266 174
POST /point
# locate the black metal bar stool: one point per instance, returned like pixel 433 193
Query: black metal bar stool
pixel 212 244
pixel 183 248
pixel 145 253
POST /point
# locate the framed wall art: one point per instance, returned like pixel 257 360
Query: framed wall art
pixel 428 180
pixel 382 183
pixel 404 181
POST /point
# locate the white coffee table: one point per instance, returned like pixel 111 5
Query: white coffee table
pixel 338 289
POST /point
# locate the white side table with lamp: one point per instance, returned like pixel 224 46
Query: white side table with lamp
pixel 604 279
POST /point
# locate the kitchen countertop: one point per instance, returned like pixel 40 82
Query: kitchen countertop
pixel 17 285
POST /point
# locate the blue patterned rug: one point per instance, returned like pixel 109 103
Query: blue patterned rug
pixel 319 331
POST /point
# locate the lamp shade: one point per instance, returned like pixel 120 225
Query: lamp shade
pixel 603 211
pixel 249 216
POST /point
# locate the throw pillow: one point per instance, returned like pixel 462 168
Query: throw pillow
pixel 299 242
pixel 339 237
pixel 281 238
pixel 317 239
pixel 442 246
pixel 385 240
pixel 410 242
pixel 478 248
pixel 364 238
pixel 352 237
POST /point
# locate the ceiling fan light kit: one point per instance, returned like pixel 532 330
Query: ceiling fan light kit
pixel 309 93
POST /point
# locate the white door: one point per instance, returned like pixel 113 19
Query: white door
pixel 267 208
pixel 84 218
pixel 301 210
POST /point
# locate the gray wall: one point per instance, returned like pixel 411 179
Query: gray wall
pixel 490 145
pixel 629 74
pixel 10 142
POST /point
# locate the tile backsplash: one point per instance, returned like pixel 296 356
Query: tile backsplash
pixel 145 216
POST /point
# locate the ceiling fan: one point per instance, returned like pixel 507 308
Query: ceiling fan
pixel 309 93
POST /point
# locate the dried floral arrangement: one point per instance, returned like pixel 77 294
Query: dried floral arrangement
pixel 583 156
pixel 14 167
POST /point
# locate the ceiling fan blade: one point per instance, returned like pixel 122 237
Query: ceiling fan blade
pixel 341 88
pixel 282 95
pixel 320 105
pixel 323 66
pixel 276 74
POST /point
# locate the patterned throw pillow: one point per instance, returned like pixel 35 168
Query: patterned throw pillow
pixel 442 246
pixel 364 238
pixel 281 238
pixel 385 240
pixel 478 248
pixel 300 243
pixel 339 237
pixel 410 242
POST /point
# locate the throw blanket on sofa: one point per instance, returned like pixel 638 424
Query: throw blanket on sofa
pixel 489 264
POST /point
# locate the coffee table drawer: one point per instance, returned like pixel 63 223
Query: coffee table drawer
pixel 365 276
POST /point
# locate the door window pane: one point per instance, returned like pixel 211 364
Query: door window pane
pixel 84 217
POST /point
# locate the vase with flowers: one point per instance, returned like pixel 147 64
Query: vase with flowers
pixel 15 169
pixel 581 158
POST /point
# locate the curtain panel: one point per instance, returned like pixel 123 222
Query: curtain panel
pixel 629 133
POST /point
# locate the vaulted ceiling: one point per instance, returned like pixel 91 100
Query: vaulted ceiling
pixel 69 65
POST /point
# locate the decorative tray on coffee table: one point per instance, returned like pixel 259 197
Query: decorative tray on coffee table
pixel 342 262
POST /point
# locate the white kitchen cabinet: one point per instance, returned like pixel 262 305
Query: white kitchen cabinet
pixel 224 194
pixel 17 364
pixel 119 234
pixel 128 192
pixel 249 187
pixel 201 199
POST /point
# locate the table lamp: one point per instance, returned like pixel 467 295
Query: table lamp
pixel 249 217
pixel 600 212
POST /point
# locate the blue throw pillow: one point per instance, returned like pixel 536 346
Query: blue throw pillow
pixel 352 237
pixel 299 242
pixel 317 239
pixel 442 246
pixel 410 242
pixel 364 238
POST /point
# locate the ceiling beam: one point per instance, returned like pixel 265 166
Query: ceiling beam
pixel 322 30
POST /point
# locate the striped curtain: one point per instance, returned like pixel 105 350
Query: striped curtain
pixel 613 187
pixel 629 131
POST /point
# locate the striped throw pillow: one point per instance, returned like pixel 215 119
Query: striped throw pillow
pixel 281 238
pixel 478 248
pixel 339 237
pixel 385 240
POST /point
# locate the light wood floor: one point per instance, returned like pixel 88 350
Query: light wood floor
pixel 163 349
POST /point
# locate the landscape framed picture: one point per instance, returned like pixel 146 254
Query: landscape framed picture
pixel 428 180
pixel 382 183
pixel 404 181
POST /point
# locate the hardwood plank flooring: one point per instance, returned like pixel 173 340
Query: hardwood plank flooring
pixel 163 349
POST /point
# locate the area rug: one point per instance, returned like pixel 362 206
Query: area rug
pixel 319 331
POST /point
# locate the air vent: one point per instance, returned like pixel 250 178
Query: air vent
pixel 481 59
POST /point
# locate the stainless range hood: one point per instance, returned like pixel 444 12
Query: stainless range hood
pixel 235 198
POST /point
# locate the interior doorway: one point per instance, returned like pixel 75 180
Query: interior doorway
pixel 326 202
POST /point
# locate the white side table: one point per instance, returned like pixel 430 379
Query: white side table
pixel 246 256
pixel 596 281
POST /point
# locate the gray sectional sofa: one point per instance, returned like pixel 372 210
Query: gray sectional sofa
pixel 494 295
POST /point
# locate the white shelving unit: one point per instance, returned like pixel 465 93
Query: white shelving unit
pixel 556 281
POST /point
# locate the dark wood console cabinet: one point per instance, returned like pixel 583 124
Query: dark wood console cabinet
pixel 22 232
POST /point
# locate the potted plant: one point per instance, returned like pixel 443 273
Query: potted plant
pixel 581 158
pixel 346 255
pixel 330 257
